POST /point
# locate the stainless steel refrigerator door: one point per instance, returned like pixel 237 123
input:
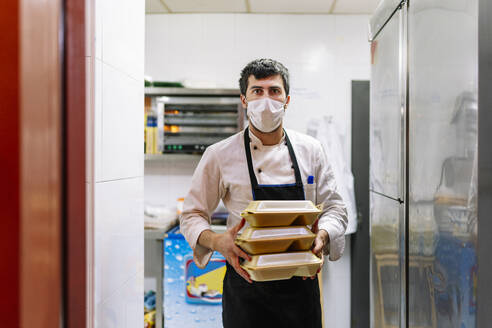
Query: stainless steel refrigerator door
pixel 387 262
pixel 443 61
pixel 387 172
pixel 387 109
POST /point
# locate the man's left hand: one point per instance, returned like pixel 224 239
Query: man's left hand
pixel 322 239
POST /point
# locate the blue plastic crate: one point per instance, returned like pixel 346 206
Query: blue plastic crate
pixel 185 306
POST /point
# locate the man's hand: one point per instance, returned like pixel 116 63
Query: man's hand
pixel 322 239
pixel 224 244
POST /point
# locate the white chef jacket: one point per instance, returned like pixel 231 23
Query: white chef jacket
pixel 223 174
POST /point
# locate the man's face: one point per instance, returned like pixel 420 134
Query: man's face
pixel 272 86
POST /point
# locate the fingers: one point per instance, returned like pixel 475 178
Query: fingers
pixel 238 227
pixel 314 227
pixel 312 277
pixel 239 252
pixel 240 271
pixel 318 246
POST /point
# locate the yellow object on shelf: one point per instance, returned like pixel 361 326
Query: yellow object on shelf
pixel 149 319
pixel 151 135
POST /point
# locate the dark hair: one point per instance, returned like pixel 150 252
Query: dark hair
pixel 262 68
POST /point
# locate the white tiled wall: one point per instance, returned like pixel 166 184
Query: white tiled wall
pixel 322 52
pixel 115 57
pixel 175 171
pixel 336 290
pixel 118 234
pixel 122 125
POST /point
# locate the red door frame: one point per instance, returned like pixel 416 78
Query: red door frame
pixel 40 163
pixel 9 162
pixel 42 155
pixel 75 160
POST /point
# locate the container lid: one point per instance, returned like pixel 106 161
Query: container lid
pixel 298 258
pixel 278 232
pixel 276 213
pixel 288 259
pixel 281 266
pixel 283 206
pixel 275 240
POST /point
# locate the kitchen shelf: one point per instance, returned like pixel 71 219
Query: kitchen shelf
pixel 199 134
pixel 212 122
pixel 169 156
pixel 156 91
pixel 225 106
pixel 192 119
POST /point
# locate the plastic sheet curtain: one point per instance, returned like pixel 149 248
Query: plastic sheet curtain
pixel 325 131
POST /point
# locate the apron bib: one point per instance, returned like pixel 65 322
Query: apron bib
pixel 284 303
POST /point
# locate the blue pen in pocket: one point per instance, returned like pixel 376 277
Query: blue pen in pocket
pixel 310 189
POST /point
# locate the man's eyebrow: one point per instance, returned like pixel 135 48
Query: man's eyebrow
pixel 272 87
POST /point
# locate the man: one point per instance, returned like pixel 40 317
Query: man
pixel 263 162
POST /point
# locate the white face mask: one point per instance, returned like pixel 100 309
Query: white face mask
pixel 265 113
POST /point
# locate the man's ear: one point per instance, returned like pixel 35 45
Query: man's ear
pixel 287 102
pixel 243 101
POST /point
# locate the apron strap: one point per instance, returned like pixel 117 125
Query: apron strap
pixel 252 175
pixel 294 160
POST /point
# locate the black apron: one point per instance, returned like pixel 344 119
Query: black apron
pixel 284 303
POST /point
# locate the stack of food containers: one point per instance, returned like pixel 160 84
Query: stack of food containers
pixel 279 240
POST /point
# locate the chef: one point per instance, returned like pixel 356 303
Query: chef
pixel 263 162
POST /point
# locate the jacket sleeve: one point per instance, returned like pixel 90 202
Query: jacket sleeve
pixel 333 219
pixel 202 199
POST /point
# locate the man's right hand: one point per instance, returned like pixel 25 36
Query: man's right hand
pixel 224 244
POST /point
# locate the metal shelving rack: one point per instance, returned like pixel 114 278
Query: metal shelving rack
pixel 196 118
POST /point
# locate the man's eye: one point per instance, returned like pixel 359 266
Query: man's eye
pixel 277 91
pixel 256 91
